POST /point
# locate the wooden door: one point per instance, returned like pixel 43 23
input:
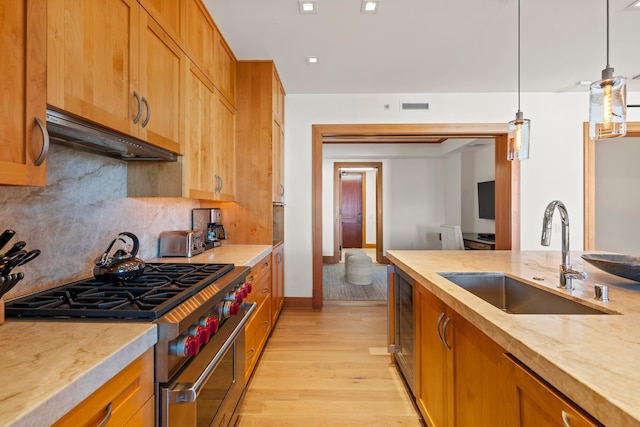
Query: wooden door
pixel 225 148
pixel 162 82
pixel 432 389
pixel 351 208
pixel 540 405
pixel 200 144
pixel 92 60
pixel 23 88
pixel 478 376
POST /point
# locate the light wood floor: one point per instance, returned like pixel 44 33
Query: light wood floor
pixel 328 368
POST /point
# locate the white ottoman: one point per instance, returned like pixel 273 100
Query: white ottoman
pixel 348 255
pixel 360 270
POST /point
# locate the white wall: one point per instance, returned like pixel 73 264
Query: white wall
pixel 554 170
pixel 617 203
pixel 479 166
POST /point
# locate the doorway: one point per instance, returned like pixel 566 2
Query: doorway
pixel 351 209
pixel 507 177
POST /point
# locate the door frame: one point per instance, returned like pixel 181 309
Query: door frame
pixel 507 176
pixel 337 195
pixel 589 182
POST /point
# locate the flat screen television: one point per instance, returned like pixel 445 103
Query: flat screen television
pixel 487 200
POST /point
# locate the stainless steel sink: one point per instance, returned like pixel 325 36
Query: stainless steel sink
pixel 517 297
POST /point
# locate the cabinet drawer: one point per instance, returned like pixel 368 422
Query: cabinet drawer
pixel 477 245
pixel 124 396
pixel 256 333
pixel 540 404
pixel 260 279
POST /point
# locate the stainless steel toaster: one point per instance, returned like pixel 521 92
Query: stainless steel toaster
pixel 181 243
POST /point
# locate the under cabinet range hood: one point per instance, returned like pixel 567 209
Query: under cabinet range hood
pixel 77 133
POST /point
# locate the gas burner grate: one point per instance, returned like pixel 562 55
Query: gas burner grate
pixel 161 288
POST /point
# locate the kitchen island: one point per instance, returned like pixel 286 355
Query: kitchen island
pixel 591 359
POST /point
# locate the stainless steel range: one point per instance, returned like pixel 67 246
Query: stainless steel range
pixel 200 315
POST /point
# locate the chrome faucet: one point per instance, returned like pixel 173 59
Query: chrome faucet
pixel 567 273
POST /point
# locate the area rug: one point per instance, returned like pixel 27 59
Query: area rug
pixel 336 288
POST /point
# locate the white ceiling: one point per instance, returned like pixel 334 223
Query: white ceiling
pixel 434 46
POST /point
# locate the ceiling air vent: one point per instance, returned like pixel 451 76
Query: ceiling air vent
pixel 414 106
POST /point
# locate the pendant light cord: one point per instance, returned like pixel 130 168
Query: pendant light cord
pixel 519 55
pixel 607 33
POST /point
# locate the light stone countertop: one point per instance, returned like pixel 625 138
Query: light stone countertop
pixel 247 255
pixel 47 368
pixel 592 359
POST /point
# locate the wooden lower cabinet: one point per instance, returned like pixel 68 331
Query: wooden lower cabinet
pixel 538 404
pixel 258 327
pixel 464 378
pixel 277 281
pixel 127 398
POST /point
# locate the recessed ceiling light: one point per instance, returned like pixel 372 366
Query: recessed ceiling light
pixel 635 5
pixel 307 6
pixel 371 6
pixel 312 59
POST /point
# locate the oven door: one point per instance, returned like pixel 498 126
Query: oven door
pixel 208 389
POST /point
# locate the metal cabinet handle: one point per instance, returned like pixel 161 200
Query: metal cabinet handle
pixel 107 416
pixel 265 290
pixel 566 419
pixel 266 324
pixel 438 326
pixel 221 184
pixel 146 119
pixel 265 265
pixel 444 333
pixel 281 190
pixel 45 143
pixel 252 352
pixel 136 119
pixel 250 279
pixel 279 257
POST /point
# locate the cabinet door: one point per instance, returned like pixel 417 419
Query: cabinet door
pixel 170 14
pixel 277 281
pixel 478 376
pixel 163 70
pixel 433 391
pixel 540 405
pixel 277 146
pixel 225 65
pixel 200 144
pixel 23 89
pixel 92 60
pixel 200 37
pixel 225 148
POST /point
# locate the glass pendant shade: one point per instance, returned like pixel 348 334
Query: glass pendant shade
pixel 608 107
pixel 518 138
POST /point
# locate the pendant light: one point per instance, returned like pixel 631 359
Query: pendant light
pixel 607 102
pixel 518 138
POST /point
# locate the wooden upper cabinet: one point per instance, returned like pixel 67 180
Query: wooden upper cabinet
pixel 199 157
pixel 277 153
pixel 111 63
pixel 92 60
pixel 225 68
pixel 170 14
pixel 225 148
pixel 277 97
pixel 200 37
pixel 162 82
pixel 23 88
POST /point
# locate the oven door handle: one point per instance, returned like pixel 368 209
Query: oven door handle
pixel 187 392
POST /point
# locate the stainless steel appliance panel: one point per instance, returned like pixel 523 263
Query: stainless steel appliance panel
pixel 404 329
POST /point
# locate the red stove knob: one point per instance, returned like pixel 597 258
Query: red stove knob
pixel 247 286
pixel 211 323
pixel 244 292
pixel 185 346
pixel 239 296
pixel 201 333
pixel 230 309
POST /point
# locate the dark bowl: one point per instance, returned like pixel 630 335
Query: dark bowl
pixel 626 266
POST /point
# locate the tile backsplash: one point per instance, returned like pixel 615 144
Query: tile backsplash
pixel 74 218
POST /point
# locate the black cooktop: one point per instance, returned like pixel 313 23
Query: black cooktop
pixel 162 287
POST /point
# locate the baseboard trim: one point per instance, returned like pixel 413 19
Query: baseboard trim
pixel 298 303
